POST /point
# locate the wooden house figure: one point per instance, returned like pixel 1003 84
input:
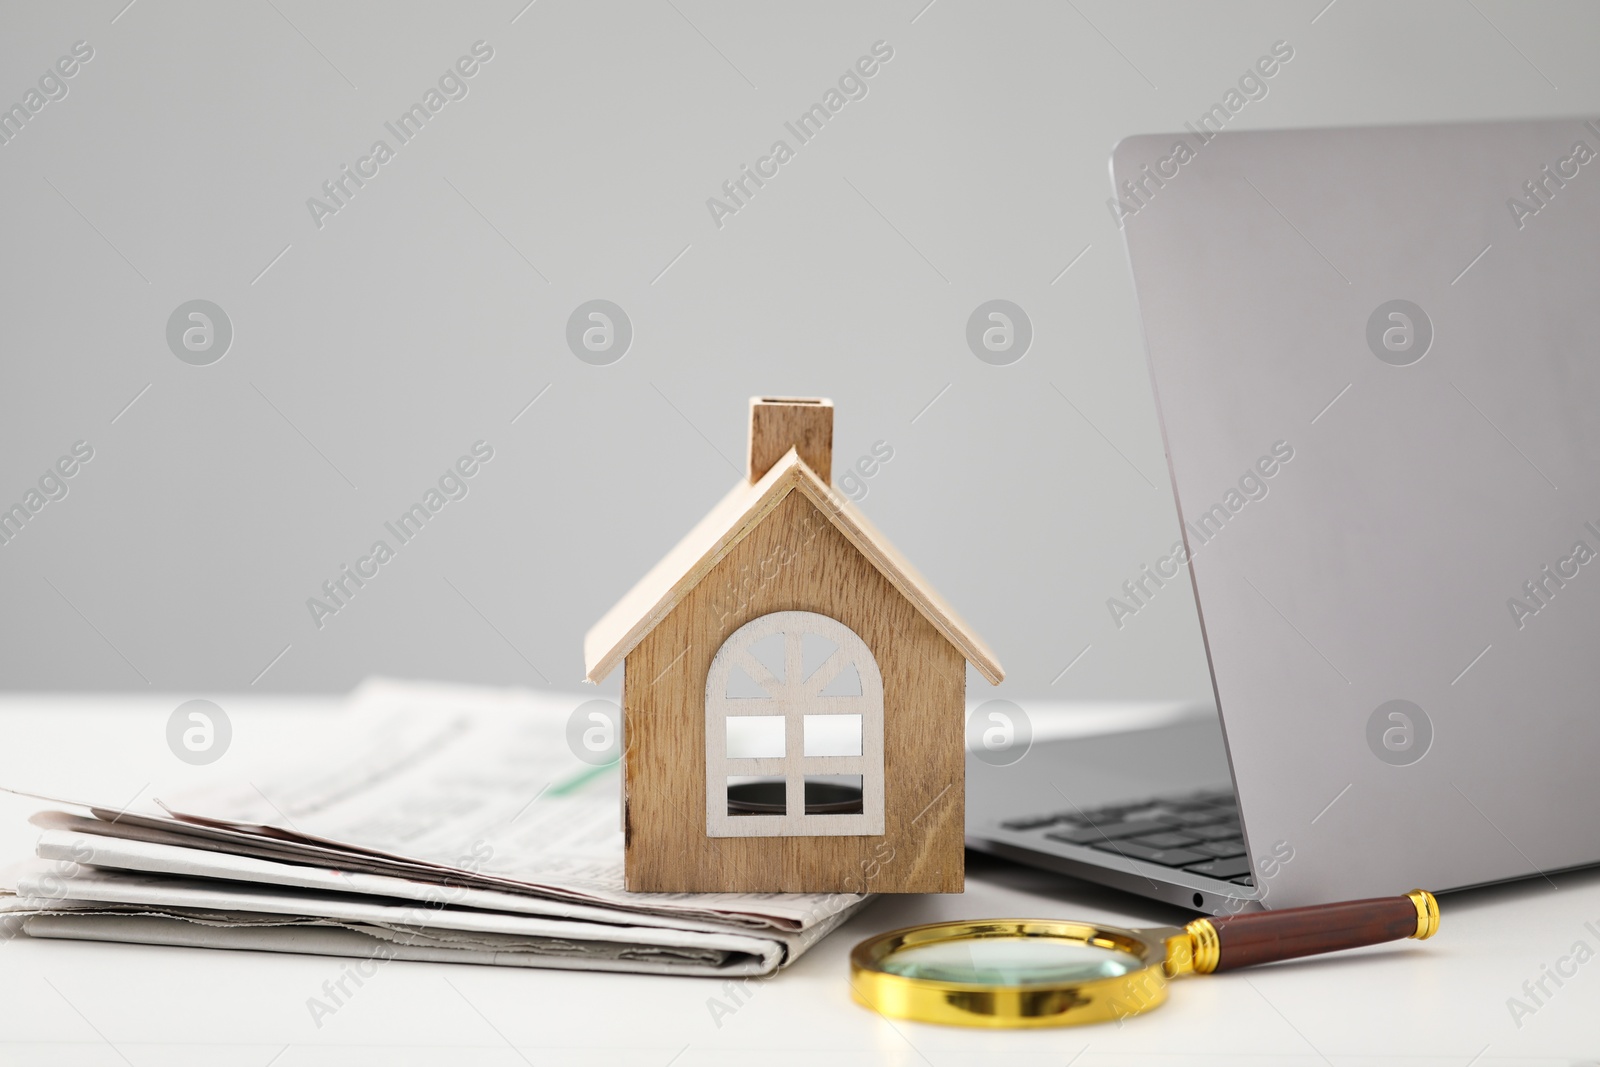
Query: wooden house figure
pixel 794 692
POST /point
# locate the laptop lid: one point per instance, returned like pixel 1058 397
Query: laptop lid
pixel 1376 358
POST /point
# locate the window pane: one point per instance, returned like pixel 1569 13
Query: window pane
pixel 769 653
pixel 847 683
pixel 815 650
pixel 755 736
pixel 832 735
pixel 833 794
pixel 743 687
pixel 749 795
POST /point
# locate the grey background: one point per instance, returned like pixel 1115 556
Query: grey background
pixel 427 314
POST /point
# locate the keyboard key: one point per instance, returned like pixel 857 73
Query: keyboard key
pixel 1221 849
pixel 1246 880
pixel 1221 868
pixel 1075 817
pixel 1032 822
pixel 1167 857
pixel 1197 816
pixel 1115 813
pixel 1220 831
pixel 1099 832
pixel 1205 799
pixel 1110 809
pixel 1133 805
pixel 1169 839
pixel 1076 835
pixel 1136 823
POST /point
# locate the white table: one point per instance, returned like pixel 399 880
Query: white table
pixel 1438 1002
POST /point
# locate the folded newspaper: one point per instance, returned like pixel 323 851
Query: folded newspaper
pixel 430 823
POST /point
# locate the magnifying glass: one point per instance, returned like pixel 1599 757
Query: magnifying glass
pixel 1013 973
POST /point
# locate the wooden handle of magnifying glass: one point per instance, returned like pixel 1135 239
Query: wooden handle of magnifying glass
pixel 1227 943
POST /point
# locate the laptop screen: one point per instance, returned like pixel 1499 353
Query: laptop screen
pixel 1376 357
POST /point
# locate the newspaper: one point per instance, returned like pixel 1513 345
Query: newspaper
pixel 431 822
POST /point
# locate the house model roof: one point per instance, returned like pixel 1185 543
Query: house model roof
pixel 659 591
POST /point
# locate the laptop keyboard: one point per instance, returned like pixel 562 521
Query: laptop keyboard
pixel 1197 832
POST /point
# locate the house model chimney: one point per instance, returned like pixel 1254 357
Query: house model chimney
pixel 779 423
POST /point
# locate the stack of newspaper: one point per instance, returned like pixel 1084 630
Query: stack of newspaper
pixel 427 823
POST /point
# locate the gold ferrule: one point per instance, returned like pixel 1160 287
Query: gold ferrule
pixel 1204 948
pixel 1427 914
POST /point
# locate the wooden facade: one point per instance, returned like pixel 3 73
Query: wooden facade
pixel 785 542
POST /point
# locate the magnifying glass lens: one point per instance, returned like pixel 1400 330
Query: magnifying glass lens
pixel 1009 961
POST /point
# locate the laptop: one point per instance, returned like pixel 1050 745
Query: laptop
pixel 1376 360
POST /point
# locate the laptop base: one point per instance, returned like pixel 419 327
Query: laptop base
pixel 1147 811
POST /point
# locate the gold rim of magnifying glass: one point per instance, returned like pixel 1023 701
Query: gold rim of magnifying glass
pixel 1017 1006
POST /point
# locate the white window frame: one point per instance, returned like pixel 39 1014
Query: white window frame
pixel 794 698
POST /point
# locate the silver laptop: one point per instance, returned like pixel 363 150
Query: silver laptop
pixel 1376 358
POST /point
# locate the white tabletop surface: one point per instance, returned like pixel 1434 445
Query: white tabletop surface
pixel 1444 1001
